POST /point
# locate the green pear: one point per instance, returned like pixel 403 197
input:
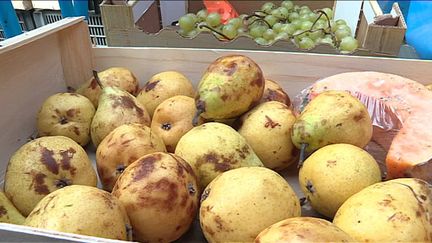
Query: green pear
pixel 82 210
pixel 8 212
pixel 115 76
pixel 44 165
pixel 230 86
pixel 66 114
pixel 116 107
pixel 332 117
pixel 267 129
pixel 213 148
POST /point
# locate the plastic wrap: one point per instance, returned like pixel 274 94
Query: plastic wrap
pixel 390 100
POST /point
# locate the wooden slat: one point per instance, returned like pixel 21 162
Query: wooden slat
pixel 294 70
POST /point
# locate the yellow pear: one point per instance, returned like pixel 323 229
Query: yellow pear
pixel 8 212
pixel 173 118
pixel 121 147
pixel 267 129
pixel 115 76
pixel 160 194
pixel 82 210
pixel 66 114
pixel 162 86
pixel 274 92
pixel 44 165
pixel 240 203
pixel 213 148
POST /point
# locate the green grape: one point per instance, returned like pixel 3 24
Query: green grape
pixel 296 23
pixel 321 23
pixel 306 43
pixel 230 31
pixel 193 33
pixel 312 16
pixel 202 14
pixel 340 34
pixel 277 27
pixel 304 11
pixel 213 19
pixel 241 31
pixel 182 32
pixel 328 41
pixel 269 34
pixel 348 44
pixel 271 19
pixel 304 8
pixel 257 31
pixel 296 8
pixel 188 34
pixel 282 36
pixel 284 13
pixel 236 22
pixel 287 4
pixel 298 36
pixel 315 35
pixel 304 17
pixel 293 16
pixel 306 25
pixel 329 12
pixel 186 23
pixel 261 41
pixel 288 28
pixel 318 25
pixel 343 27
pixel 341 22
pixel 268 7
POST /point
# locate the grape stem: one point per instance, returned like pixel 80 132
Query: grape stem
pixel 214 30
pixel 262 20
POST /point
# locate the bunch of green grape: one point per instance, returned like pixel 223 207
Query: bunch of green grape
pixel 306 28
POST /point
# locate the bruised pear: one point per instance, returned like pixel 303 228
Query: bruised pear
pixel 303 229
pixel 66 114
pixel 173 118
pixel 213 148
pixel 8 212
pixel 119 77
pixel 44 165
pixel 332 117
pixel 116 107
pixel 267 129
pixel 274 92
pixel 230 86
pixel 121 147
pixel 160 194
pixel 162 86
pixel 82 210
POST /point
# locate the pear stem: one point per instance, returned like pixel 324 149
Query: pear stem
pixel 96 77
pixel 303 147
pixel 196 118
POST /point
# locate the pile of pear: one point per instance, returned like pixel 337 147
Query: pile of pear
pixel 167 154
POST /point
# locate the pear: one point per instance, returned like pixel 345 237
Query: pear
pixel 162 86
pixel 230 86
pixel 66 114
pixel 173 118
pixel 121 147
pixel 267 129
pixel 429 87
pixel 160 194
pixel 8 212
pixel 332 117
pixel 213 148
pixel 274 92
pixel 115 76
pixel 116 107
pixel 44 165
pixel 82 210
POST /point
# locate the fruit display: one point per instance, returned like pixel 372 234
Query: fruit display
pixel 229 157
pixel 306 28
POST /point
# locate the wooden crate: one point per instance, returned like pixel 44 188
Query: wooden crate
pixel 30 73
pixel 122 30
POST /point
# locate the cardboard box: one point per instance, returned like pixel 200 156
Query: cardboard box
pixel 49 59
pixel 375 40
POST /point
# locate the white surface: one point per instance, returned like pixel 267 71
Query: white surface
pixel 140 8
pixel 171 11
pixel 349 11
